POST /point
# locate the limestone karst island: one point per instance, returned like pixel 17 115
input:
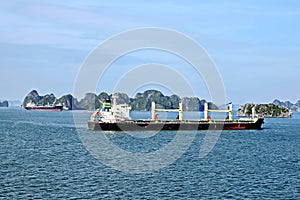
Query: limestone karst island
pixel 142 102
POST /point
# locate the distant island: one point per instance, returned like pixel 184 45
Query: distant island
pixel 141 101
pixel 295 107
pixel 3 103
pixel 265 110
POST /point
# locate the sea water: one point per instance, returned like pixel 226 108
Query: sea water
pixel 42 156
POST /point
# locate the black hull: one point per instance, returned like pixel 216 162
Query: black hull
pixel 176 125
pixel 46 108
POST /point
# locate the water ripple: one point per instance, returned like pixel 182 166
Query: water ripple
pixel 42 157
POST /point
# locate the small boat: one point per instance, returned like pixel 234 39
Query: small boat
pixel 109 119
pixel 49 108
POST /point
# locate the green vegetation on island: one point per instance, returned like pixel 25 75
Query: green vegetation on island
pixel 34 97
pixel 295 107
pixel 265 110
pixel 141 101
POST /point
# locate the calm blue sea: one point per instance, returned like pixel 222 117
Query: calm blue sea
pixel 43 157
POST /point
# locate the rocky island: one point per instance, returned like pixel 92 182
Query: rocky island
pixel 3 103
pixel 295 107
pixel 141 101
pixel 265 110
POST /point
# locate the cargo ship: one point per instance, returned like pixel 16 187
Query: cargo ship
pixel 48 108
pixel 117 119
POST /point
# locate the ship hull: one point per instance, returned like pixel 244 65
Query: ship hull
pixel 145 125
pixel 46 108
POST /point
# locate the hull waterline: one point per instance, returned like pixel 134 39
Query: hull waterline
pixel 46 108
pixel 145 125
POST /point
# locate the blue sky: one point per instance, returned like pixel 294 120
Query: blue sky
pixel 254 44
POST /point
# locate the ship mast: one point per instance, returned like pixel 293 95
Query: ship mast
pixel 206 111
